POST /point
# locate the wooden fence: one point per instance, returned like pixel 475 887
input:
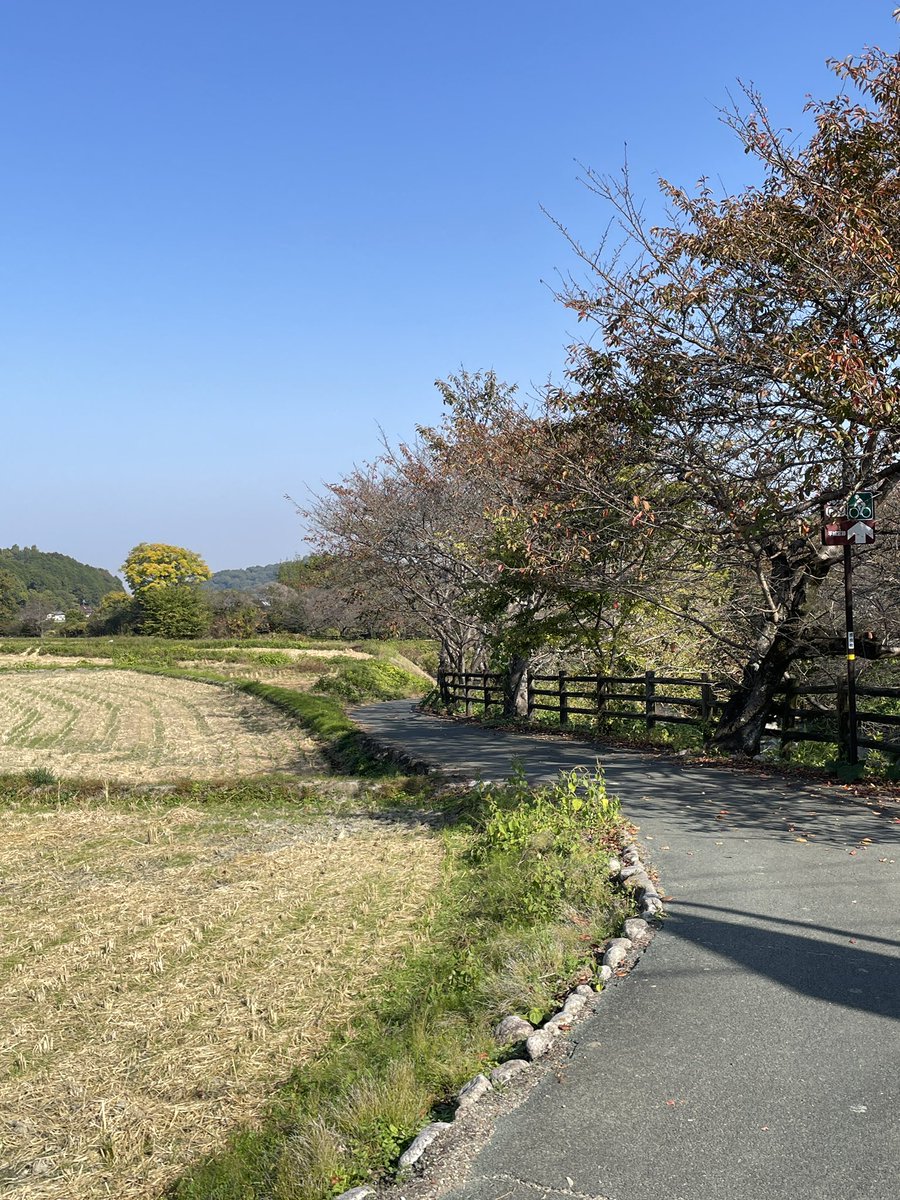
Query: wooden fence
pixel 799 714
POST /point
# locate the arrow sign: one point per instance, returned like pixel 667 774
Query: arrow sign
pixel 848 533
pixel 861 533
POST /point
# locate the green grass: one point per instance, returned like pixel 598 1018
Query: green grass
pixel 524 904
pixel 347 749
pixel 127 650
pixel 359 680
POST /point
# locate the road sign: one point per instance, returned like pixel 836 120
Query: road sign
pixel 861 507
pixel 848 532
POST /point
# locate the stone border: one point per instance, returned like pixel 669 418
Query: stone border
pixel 632 874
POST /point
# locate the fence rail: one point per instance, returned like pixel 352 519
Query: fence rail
pixel 648 700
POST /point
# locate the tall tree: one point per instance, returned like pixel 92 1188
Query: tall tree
pixel 745 371
pixel 420 520
pixel 157 565
pixel 165 581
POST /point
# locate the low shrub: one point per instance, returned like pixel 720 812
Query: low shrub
pixel 370 679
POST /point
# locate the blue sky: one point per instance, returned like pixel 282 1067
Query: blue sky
pixel 235 238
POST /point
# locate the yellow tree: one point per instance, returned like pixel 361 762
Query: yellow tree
pixel 164 581
pixel 155 565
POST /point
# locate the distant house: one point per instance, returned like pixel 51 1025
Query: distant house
pixel 58 617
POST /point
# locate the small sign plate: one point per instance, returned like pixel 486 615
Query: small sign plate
pixel 848 532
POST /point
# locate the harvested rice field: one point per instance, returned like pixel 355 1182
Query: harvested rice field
pixel 161 969
pixel 130 727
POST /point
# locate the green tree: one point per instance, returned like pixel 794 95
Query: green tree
pixel 165 581
pixel 233 613
pixel 116 613
pixel 12 595
pixel 153 565
pixel 179 611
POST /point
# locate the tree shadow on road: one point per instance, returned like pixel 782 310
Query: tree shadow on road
pixel 705 800
pixel 838 966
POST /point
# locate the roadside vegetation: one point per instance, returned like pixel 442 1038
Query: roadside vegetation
pixel 523 904
pixel 246 954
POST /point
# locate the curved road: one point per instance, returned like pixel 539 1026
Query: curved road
pixel 755 1050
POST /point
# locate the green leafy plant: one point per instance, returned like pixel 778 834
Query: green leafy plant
pixel 40 777
pixel 365 679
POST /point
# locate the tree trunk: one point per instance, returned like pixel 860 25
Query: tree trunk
pixel 747 711
pixel 795 577
pixel 515 696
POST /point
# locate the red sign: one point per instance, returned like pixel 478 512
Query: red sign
pixel 848 532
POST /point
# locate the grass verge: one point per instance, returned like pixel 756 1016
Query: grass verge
pixel 524 903
pixel 345 747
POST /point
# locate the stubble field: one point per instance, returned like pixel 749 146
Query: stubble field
pixel 162 968
pixel 129 726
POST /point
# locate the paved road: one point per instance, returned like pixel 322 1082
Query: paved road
pixel 755 1050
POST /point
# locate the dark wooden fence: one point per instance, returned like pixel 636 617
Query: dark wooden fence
pixel 801 713
pixel 806 713
pixel 646 698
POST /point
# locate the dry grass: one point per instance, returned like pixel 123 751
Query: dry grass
pixel 160 970
pixel 122 725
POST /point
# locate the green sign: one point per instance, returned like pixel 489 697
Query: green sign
pixel 861 506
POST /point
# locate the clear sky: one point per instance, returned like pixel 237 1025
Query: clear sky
pixel 239 237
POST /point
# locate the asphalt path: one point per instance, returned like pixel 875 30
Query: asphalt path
pixel 755 1049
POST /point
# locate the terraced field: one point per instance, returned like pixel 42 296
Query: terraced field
pixel 162 968
pixel 128 726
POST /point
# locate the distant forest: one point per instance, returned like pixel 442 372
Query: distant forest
pixel 246 579
pixel 56 581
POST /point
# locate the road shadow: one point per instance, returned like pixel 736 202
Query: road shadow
pixel 838 966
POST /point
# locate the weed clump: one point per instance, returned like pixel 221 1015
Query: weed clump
pixel 374 679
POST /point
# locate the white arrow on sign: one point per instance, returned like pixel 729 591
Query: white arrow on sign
pixel 860 533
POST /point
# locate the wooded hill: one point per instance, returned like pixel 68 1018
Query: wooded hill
pixel 60 582
pixel 245 579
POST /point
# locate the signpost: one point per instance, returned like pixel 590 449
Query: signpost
pixel 848 532
pixel 856 528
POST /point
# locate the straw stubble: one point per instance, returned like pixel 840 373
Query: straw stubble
pixel 162 970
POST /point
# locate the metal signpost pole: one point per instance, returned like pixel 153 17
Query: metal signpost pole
pixel 861 510
pixel 857 526
pixel 852 747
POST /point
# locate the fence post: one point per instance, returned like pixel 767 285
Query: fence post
pixel 467 693
pixel 529 690
pixel 601 701
pixel 443 687
pixel 563 698
pixel 487 693
pixel 788 717
pixel 707 701
pixel 706 698
pixel 843 721
pixel 650 699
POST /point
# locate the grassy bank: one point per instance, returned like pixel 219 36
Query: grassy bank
pixel 523 903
